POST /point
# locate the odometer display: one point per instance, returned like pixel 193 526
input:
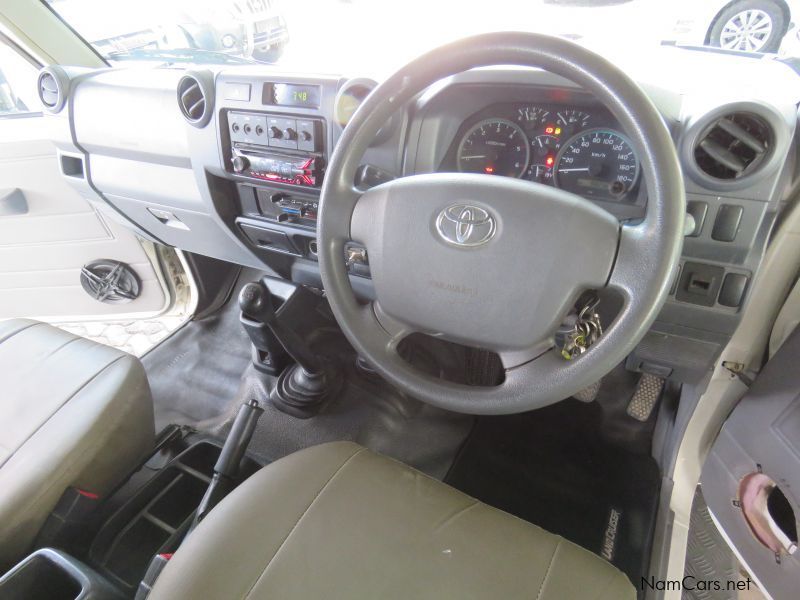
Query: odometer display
pixel 494 147
pixel 597 163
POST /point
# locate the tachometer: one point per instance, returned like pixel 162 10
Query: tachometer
pixel 496 147
pixel 598 163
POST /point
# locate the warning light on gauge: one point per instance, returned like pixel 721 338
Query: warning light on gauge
pixel 489 170
pixel 552 130
pixel 549 161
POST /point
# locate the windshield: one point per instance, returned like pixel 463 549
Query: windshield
pixel 376 37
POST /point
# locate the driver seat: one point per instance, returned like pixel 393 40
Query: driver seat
pixel 338 521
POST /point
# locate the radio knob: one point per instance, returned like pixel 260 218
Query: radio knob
pixel 290 134
pixel 306 136
pixel 276 133
pixel 240 163
pixel 259 130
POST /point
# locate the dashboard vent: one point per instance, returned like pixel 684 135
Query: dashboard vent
pixel 195 98
pixel 48 90
pixel 349 97
pixel 52 87
pixel 733 146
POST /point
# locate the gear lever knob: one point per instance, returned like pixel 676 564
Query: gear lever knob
pixel 255 301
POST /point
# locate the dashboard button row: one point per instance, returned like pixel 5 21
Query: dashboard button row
pixel 273 131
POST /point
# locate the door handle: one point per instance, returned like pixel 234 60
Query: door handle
pixel 12 203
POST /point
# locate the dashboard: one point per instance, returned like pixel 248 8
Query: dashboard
pixel 229 163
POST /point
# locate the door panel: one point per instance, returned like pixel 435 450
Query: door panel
pixel 42 251
pixel 751 478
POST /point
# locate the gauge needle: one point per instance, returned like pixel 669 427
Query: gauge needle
pixel 573 170
pixel 473 156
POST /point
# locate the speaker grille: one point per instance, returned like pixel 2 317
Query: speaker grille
pixel 110 281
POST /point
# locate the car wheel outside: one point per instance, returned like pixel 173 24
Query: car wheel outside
pixel 749 25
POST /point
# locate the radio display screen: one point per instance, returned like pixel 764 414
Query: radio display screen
pixel 291 94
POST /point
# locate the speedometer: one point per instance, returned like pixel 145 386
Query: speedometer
pixel 597 163
pixel 495 147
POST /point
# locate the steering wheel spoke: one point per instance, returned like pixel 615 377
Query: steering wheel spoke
pixel 630 265
pixel 513 359
pixel 395 329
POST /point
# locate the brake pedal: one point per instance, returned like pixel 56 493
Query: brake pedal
pixel 645 397
pixel 588 394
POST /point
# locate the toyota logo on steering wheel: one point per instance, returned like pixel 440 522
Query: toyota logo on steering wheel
pixel 465 225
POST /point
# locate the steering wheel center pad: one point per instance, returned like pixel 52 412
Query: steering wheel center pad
pixel 498 271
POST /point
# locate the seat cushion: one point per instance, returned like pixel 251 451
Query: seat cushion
pixel 73 413
pixel 338 521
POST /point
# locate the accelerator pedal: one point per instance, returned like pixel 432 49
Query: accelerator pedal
pixel 644 399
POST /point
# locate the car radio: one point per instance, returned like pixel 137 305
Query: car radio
pixel 277 148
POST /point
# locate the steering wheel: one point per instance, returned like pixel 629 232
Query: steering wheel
pixel 480 259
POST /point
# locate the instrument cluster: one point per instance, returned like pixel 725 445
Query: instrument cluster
pixel 575 148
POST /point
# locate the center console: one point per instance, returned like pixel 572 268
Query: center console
pixel 276 134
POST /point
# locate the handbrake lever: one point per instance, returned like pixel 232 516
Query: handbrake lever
pixel 227 466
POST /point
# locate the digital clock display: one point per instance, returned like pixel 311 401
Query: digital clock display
pixel 290 94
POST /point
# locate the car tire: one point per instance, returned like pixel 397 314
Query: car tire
pixel 723 32
pixel 269 55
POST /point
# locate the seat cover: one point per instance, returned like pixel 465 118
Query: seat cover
pixel 73 413
pixel 338 521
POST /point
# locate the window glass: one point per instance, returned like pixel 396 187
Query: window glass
pixel 377 36
pixel 17 84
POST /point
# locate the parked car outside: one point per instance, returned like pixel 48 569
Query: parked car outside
pixel 743 25
pixel 243 28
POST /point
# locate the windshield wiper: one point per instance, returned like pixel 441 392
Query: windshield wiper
pixel 179 55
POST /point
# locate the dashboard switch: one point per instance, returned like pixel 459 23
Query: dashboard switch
pixel 307 135
pixel 699 283
pixel 698 210
pixel 733 289
pixel 726 225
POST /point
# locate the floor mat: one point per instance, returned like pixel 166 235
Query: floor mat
pixel 553 468
pixel 367 411
pixel 196 372
pixel 203 374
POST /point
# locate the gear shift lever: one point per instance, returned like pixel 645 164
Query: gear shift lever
pixel 302 387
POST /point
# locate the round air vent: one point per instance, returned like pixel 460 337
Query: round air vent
pixel 349 98
pixel 53 86
pixel 196 97
pixel 733 146
pixel 110 281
